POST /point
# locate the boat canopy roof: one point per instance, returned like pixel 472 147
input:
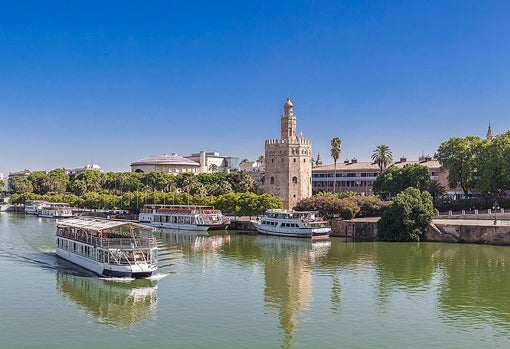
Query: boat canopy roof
pixel 99 224
pixel 178 206
pixel 278 210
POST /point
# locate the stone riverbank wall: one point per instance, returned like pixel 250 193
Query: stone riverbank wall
pixel 480 229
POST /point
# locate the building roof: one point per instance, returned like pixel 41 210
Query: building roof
pixel 351 166
pixel 370 166
pixel 165 159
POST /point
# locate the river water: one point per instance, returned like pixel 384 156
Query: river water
pixel 234 290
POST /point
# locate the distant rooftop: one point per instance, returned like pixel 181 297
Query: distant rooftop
pixel 165 159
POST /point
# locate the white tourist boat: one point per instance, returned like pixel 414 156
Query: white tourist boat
pixel 109 248
pixel 55 210
pixel 289 223
pixel 33 206
pixel 183 217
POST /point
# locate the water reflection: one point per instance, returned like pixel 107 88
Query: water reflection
pixel 288 267
pixel 475 285
pixel 192 242
pixel 118 303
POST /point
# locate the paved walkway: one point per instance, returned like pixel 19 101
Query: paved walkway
pixel 472 222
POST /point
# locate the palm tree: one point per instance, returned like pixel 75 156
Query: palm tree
pixel 335 154
pixel 382 156
pixel 213 168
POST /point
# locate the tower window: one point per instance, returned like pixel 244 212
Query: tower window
pixel 294 160
pixel 294 180
pixel 272 180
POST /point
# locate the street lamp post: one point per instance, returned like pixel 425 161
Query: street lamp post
pixel 495 207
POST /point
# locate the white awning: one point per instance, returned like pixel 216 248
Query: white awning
pixel 98 224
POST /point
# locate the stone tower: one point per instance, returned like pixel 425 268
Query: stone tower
pixel 288 162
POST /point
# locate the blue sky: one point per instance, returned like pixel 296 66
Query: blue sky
pixel 111 82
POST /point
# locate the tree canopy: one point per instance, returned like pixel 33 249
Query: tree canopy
pixel 382 156
pixel 460 157
pixel 396 179
pixel 408 217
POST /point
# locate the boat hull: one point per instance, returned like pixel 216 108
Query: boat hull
pixel 312 233
pixel 217 226
pixel 177 226
pixel 108 270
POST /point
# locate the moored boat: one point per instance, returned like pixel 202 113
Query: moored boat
pixel 55 210
pixel 183 217
pixel 108 248
pixel 290 223
pixel 33 206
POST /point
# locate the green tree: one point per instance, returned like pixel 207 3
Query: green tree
pixel 158 180
pixel 56 181
pixel 335 154
pixel 92 180
pixel 241 182
pixel 213 168
pixel 436 190
pixel 459 157
pixel 38 178
pixel 133 181
pixel 408 217
pixel 219 188
pixel 21 185
pixel 492 170
pixel 382 157
pixel 395 179
pixel 189 184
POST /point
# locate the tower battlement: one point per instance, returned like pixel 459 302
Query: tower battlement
pixel 289 141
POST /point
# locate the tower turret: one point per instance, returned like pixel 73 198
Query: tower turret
pixel 288 122
pixel 489 133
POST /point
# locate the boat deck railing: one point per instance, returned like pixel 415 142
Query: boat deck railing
pixel 114 243
pixel 122 243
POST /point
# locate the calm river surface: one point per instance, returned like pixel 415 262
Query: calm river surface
pixel 234 290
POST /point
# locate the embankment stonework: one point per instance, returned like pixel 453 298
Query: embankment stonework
pixel 470 231
pixel 482 230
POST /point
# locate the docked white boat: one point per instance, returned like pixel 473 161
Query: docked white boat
pixel 108 248
pixel 55 210
pixel 183 217
pixel 299 224
pixel 33 206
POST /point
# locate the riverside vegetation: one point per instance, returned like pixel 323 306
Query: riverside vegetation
pixel 406 198
pixel 234 193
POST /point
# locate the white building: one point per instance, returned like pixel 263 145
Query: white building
pixel 172 163
pixel 214 162
pixel 202 162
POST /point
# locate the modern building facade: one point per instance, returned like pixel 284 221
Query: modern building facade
pixel 288 167
pixel 214 162
pixel 202 162
pixel 172 163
